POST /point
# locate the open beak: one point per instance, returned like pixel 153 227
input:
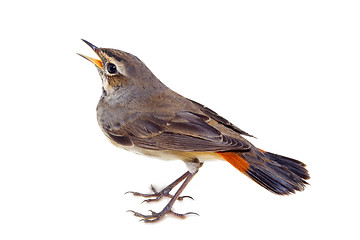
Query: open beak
pixel 97 62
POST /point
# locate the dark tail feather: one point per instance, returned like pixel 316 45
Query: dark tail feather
pixel 278 174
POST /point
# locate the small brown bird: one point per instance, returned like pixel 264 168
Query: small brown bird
pixel 139 113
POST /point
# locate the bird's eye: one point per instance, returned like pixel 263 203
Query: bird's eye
pixel 111 68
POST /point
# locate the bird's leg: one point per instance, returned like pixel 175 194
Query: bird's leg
pixel 155 216
pixel 163 193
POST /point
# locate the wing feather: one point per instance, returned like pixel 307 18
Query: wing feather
pixel 183 131
pixel 210 113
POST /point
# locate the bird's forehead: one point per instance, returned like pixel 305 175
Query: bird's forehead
pixel 113 54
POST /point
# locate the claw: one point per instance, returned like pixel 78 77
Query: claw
pixel 152 212
pixel 182 197
pixel 137 214
pixel 156 216
pixel 157 195
pixel 183 215
pixel 153 188
pixel 153 199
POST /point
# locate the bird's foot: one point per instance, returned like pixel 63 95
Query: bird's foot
pixel 156 216
pixel 157 195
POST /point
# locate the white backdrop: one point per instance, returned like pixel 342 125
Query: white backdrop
pixel 284 71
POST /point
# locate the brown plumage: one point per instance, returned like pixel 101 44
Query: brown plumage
pixel 139 113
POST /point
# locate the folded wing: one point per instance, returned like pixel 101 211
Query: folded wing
pixel 182 131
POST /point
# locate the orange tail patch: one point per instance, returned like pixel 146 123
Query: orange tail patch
pixel 235 160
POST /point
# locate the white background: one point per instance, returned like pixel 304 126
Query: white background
pixel 284 71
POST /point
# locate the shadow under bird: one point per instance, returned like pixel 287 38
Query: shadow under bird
pixel 139 113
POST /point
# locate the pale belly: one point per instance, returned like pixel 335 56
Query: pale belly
pixel 174 155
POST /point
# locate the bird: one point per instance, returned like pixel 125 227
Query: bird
pixel 139 113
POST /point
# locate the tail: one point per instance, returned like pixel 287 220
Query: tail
pixel 278 174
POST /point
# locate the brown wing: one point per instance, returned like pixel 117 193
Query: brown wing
pixel 220 119
pixel 181 131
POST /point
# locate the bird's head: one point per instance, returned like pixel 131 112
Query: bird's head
pixel 121 70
